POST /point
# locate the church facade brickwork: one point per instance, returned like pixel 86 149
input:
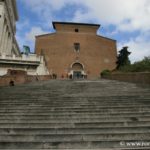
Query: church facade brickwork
pixel 75 50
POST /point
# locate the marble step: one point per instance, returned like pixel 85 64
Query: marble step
pixel 76 120
pixel 76 125
pixel 75 106
pixel 75 137
pixel 98 145
pixel 132 116
pixel 67 112
pixel 46 131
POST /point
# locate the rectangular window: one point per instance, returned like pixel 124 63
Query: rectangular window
pixel 77 47
pixel 76 30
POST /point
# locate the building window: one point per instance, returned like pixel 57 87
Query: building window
pixel 76 30
pixel 77 47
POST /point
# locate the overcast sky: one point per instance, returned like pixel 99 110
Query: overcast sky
pixel 127 21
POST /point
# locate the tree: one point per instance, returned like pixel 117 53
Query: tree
pixel 123 58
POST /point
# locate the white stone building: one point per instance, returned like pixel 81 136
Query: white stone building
pixel 8 18
pixel 10 56
pixel 32 64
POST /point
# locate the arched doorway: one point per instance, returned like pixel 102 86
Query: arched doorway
pixel 78 70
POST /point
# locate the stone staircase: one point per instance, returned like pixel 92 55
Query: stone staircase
pixel 100 114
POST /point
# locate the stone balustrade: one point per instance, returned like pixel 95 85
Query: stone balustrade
pixel 30 57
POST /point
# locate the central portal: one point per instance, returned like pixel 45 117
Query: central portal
pixel 77 75
pixel 77 71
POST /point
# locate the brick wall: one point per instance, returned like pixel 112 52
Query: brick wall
pixel 142 78
pixel 21 79
pixel 96 53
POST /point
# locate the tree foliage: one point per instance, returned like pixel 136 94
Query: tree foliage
pixel 105 72
pixel 123 58
pixel 140 66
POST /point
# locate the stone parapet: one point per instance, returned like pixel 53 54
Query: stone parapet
pixel 142 78
pixel 22 79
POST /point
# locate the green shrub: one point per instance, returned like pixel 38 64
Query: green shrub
pixel 140 66
pixel 105 72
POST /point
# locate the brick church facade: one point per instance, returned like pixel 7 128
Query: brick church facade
pixel 75 50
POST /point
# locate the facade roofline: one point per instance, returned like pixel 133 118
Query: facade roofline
pixel 55 33
pixel 106 38
pixel 74 23
pixel 44 35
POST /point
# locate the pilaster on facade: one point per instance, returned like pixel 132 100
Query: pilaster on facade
pixel 3 37
pixel 15 47
pixel 8 19
pixel 6 41
pixel 10 15
pixel 15 9
pixel 1 24
pixel 10 45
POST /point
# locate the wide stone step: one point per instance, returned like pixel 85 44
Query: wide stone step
pixel 19 109
pixel 75 115
pixel 99 145
pixel 73 95
pixel 79 108
pixel 76 120
pixel 65 112
pixel 66 107
pixel 46 131
pixel 113 124
pixel 76 101
pixel 132 116
pixel 85 149
pixel 71 114
pixel 85 104
pixel 56 99
pixel 77 98
pixel 77 125
pixel 81 111
pixel 75 106
pixel 74 137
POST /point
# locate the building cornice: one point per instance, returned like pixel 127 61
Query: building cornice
pixel 42 35
pixel 73 23
pixel 106 38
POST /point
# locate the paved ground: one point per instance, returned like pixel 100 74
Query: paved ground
pixel 98 114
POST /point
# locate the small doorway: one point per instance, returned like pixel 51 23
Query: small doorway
pixel 77 75
pixel 77 69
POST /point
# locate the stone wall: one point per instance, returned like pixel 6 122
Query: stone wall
pixel 31 63
pixel 142 78
pixel 38 78
pixel 21 79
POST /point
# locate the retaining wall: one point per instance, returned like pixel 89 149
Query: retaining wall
pixel 21 79
pixel 142 78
